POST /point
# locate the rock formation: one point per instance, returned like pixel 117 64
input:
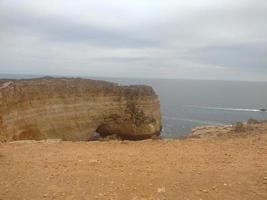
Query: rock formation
pixel 251 127
pixel 74 109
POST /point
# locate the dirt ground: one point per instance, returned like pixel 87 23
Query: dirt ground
pixel 196 169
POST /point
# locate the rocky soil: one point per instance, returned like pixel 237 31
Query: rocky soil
pixel 207 168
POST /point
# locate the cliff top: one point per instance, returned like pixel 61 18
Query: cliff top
pixel 89 85
pixel 209 168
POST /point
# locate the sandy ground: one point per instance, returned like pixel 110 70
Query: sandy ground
pixel 219 168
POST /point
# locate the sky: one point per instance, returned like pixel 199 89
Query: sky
pixel 185 39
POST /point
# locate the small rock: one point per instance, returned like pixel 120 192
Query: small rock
pixel 265 178
pixel 205 191
pixel 161 190
pixel 93 161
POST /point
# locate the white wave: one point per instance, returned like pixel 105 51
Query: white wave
pixel 191 120
pixel 227 109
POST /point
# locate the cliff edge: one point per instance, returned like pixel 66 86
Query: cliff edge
pixel 74 109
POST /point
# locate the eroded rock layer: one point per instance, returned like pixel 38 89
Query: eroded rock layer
pixel 74 109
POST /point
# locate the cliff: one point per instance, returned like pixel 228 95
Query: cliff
pixel 74 109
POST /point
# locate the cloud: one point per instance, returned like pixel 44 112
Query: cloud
pixel 243 56
pixel 170 39
pixel 59 29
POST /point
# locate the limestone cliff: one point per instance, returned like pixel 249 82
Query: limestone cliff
pixel 74 109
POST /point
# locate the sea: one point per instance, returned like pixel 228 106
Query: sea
pixel 186 104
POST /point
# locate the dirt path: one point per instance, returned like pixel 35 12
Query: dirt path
pixel 227 169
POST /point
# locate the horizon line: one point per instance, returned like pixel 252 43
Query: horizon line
pixel 121 77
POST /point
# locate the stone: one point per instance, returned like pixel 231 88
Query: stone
pixel 93 161
pixel 161 189
pixel 74 109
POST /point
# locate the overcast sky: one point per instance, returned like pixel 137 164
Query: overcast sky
pixel 189 39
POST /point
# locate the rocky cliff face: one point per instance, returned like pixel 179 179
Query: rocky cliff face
pixel 74 109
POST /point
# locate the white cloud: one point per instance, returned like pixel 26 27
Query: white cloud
pixel 170 39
